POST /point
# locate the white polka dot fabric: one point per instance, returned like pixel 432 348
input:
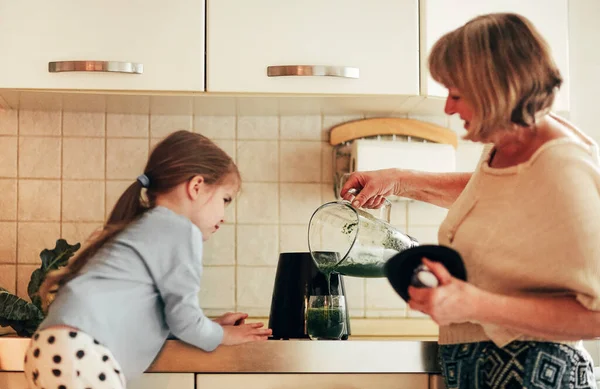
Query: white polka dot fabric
pixel 63 358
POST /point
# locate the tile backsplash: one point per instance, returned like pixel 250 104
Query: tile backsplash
pixel 62 171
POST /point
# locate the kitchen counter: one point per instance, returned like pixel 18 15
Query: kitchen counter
pixel 276 356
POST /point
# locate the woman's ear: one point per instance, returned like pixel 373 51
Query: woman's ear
pixel 195 187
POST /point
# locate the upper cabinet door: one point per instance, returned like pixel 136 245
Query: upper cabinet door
pixel 550 17
pixel 313 46
pixel 163 39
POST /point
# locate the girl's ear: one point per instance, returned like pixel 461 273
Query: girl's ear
pixel 195 187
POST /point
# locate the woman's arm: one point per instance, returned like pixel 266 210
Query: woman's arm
pixel 440 189
pixel 562 318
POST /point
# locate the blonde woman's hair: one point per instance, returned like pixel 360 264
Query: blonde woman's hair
pixel 175 160
pixel 502 67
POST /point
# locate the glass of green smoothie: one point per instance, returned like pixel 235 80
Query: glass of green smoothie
pixel 326 317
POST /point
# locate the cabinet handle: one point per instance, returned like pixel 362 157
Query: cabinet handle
pixel 95 66
pixel 312 70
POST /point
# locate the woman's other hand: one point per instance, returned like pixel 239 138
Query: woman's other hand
pixel 453 301
pixel 245 333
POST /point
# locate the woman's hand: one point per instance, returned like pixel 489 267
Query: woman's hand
pixel 372 187
pixel 453 301
pixel 245 333
pixel 231 318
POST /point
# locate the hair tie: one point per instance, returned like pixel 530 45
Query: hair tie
pixel 144 180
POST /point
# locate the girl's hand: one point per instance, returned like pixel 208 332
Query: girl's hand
pixel 453 301
pixel 245 333
pixel 231 318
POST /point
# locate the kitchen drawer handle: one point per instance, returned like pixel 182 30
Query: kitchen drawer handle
pixel 312 70
pixel 96 66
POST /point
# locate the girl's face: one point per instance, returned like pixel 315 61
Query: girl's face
pixel 208 208
pixel 455 103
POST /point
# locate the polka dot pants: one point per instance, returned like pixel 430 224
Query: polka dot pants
pixel 62 358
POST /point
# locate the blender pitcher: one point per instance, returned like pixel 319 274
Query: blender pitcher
pixel 353 242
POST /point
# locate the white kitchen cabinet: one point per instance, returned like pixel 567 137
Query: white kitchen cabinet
pixel 377 39
pixel 165 37
pixel 12 380
pixel 550 17
pixel 163 381
pixel 314 381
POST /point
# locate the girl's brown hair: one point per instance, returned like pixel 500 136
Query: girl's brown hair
pixel 175 160
pixel 503 68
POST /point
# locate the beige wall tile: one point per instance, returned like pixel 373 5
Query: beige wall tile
pixel 8 243
pixel 300 161
pixel 83 158
pixel 327 193
pixel 8 200
pixel 23 277
pixel 215 127
pixel 39 122
pixel 293 238
pixel 425 214
pixel 327 168
pixel 298 202
pixel 33 237
pixel 399 214
pixel 83 201
pixel 125 158
pixel 223 105
pixel 257 245
pixel 217 288
pixel 255 287
pixel 9 122
pixel 468 155
pixel 163 125
pixel 229 146
pixel 79 102
pixel 381 295
pixel 258 203
pixel 258 127
pixel 220 248
pixel 79 232
pixel 84 124
pixel 171 105
pixel 355 295
pixel 39 200
pixel 300 127
pixel 258 160
pixel 114 190
pixel 8 277
pixel 120 125
pixel 39 157
pixel 129 104
pixel 8 153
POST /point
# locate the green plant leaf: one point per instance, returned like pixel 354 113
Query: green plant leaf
pixel 51 260
pixel 59 256
pixel 37 277
pixel 21 315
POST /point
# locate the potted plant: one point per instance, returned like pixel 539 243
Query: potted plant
pixel 25 316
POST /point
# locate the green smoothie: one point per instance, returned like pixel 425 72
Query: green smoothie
pixel 325 322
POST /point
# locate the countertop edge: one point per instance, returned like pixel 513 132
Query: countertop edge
pixel 275 356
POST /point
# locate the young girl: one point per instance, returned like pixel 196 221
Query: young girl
pixel 138 280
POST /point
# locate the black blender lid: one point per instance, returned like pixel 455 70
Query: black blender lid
pixel 399 268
